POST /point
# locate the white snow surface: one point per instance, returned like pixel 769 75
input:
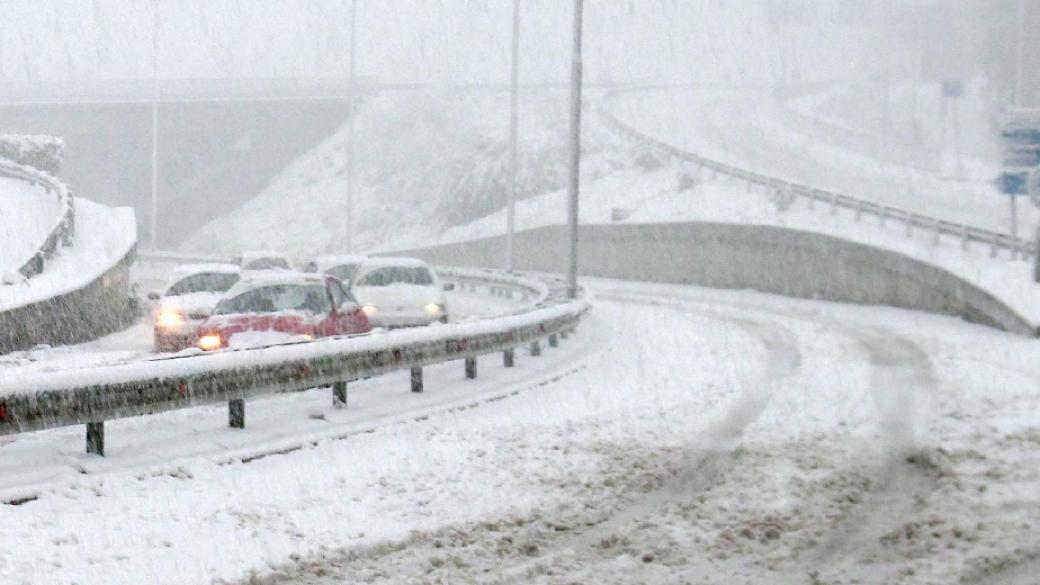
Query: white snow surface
pixel 733 437
pixel 27 215
pixel 103 236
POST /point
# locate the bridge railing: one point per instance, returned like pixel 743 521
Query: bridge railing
pixel 64 227
pixel 788 192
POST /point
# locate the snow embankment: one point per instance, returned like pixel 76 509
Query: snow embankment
pixel 27 215
pixel 104 235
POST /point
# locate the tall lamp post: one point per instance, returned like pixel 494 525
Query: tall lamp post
pixel 351 94
pixel 575 154
pixel 513 115
pixel 154 224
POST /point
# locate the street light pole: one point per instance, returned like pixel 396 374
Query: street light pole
pixel 513 116
pixel 154 224
pixel 575 154
pixel 352 110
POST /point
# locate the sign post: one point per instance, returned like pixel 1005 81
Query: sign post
pixel 1021 136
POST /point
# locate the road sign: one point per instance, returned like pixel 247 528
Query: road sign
pixel 1021 137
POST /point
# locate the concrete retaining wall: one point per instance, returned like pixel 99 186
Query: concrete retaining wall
pixel 97 309
pixel 763 258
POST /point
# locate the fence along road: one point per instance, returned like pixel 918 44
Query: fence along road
pixel 788 192
pixel 92 396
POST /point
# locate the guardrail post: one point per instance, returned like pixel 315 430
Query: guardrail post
pixel 909 225
pixel 536 348
pixel 339 394
pixel 859 211
pixel 994 245
pixel 964 238
pixel 237 413
pixel 935 237
pixel 812 201
pixel 883 216
pixel 417 385
pixel 554 341
pixel 96 438
pixel 508 358
pixel 471 368
pixel 834 204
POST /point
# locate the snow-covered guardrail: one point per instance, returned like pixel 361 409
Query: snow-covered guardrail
pixel 788 192
pixel 93 395
pixel 63 228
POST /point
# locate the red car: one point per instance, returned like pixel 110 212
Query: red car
pixel 281 306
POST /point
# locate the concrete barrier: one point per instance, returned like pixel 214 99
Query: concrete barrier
pixel 763 258
pixel 99 308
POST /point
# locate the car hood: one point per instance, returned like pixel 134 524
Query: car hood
pixel 197 303
pixel 294 322
pixel 398 294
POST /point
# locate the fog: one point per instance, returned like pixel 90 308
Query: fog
pixel 333 315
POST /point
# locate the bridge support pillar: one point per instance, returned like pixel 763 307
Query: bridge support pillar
pixel 417 383
pixel 339 394
pixel 471 368
pixel 237 413
pixel 96 438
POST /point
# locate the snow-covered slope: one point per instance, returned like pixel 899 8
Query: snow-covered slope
pixel 425 161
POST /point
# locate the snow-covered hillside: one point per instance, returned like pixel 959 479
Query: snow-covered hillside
pixel 425 162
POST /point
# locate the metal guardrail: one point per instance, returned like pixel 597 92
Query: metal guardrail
pixel 64 228
pixel 788 192
pixel 93 395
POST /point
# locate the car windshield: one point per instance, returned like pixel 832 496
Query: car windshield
pixel 397 274
pixel 267 264
pixel 279 297
pixel 206 282
pixel 343 271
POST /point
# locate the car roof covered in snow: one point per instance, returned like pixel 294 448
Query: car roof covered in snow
pixel 383 261
pixel 325 262
pixel 185 270
pixel 251 281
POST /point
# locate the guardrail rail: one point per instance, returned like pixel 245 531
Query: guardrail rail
pixel 93 395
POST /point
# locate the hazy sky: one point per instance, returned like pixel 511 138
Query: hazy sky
pixel 426 40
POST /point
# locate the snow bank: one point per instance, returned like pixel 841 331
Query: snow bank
pixel 104 235
pixel 40 152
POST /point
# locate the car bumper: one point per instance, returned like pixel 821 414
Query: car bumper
pixel 176 338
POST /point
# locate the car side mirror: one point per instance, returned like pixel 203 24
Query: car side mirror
pixel 154 295
pixel 449 286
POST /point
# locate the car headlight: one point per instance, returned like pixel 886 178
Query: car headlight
pixel 168 318
pixel 370 310
pixel 434 309
pixel 210 342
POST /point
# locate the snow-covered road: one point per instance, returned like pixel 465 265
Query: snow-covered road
pixel 682 435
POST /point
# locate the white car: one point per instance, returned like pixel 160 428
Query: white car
pixel 400 292
pixel 188 300
pixel 263 260
pixel 341 266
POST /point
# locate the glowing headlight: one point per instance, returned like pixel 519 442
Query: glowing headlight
pixel 168 318
pixel 370 310
pixel 434 309
pixel 307 337
pixel 210 342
